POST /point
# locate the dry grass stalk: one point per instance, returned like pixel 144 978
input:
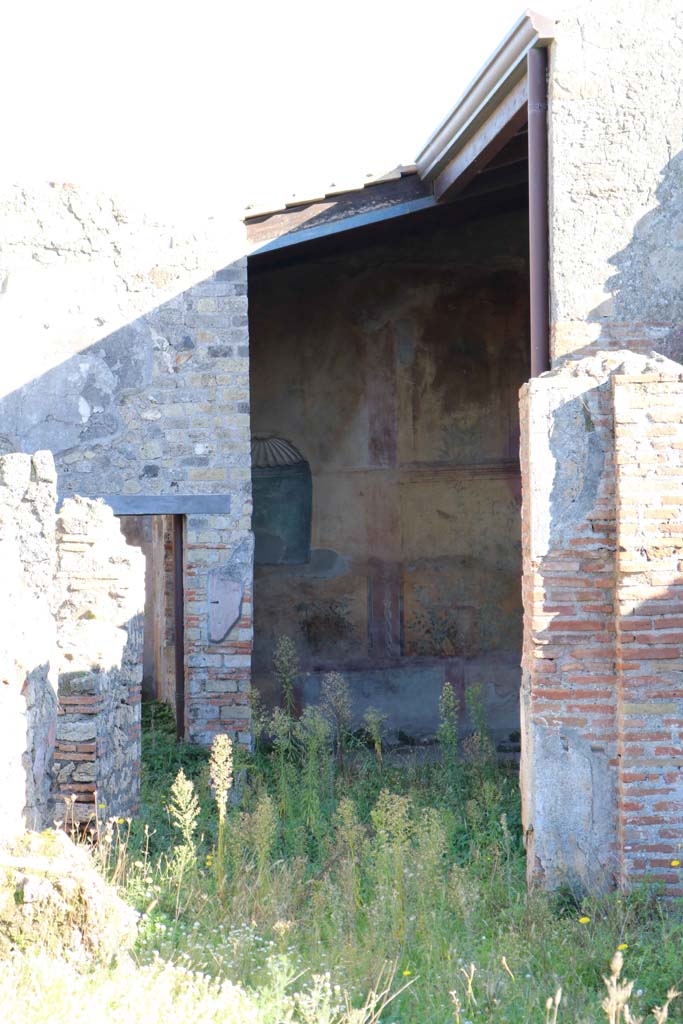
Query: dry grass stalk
pixel 468 975
pixel 552 1005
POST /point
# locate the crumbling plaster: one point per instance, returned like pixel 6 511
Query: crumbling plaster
pixel 616 178
pixel 130 363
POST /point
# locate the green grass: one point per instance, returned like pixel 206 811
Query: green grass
pixel 335 870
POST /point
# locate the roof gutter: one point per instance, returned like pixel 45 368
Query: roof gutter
pixel 503 71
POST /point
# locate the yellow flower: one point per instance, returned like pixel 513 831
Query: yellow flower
pixel 122 821
pixel 622 945
pixel 584 920
pixel 675 863
pixel 406 974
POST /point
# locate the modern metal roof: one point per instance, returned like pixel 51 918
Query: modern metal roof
pixel 332 191
pixel 505 69
pixel 490 112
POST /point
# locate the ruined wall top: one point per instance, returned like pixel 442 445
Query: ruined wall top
pixel 616 178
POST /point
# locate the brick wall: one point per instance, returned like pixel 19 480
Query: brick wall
pixel 602 645
pixel 648 426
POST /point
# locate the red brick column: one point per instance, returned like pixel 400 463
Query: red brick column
pixel 602 683
pixel 568 770
pixel 648 428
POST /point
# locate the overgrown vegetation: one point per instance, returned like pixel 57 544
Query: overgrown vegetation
pixel 347 884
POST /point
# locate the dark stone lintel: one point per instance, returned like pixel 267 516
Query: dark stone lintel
pixel 167 504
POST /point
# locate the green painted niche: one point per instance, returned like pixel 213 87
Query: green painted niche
pixel 282 493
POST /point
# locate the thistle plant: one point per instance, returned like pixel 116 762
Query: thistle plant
pixel 313 734
pixel 448 731
pixel 284 770
pixel 286 664
pixel 375 723
pixel 259 717
pixel 184 812
pixel 482 748
pixel 392 818
pixel 184 808
pixel 263 827
pixel 351 842
pixel 335 703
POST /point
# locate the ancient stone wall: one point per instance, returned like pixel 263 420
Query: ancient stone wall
pixel 130 363
pixel 100 598
pixel 616 178
pixel 71 600
pixel 602 708
pixel 28 679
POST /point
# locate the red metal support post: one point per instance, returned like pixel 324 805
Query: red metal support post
pixel 539 248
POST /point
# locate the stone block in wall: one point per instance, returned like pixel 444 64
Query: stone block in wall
pixel 28 701
pixel 100 605
pixel 580 554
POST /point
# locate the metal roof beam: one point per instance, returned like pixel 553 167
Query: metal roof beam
pixel 493 85
pixel 487 142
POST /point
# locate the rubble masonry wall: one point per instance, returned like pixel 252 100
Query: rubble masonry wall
pixel 71 602
pixel 130 364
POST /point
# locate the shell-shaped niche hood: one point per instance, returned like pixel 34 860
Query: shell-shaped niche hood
pixel 269 452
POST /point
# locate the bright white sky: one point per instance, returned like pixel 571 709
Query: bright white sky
pixel 188 101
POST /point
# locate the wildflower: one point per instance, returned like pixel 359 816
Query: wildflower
pixel 220 768
pixel 282 927
pixel 406 974
pixel 675 863
pixel 122 821
pixel 584 920
pixel 622 945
